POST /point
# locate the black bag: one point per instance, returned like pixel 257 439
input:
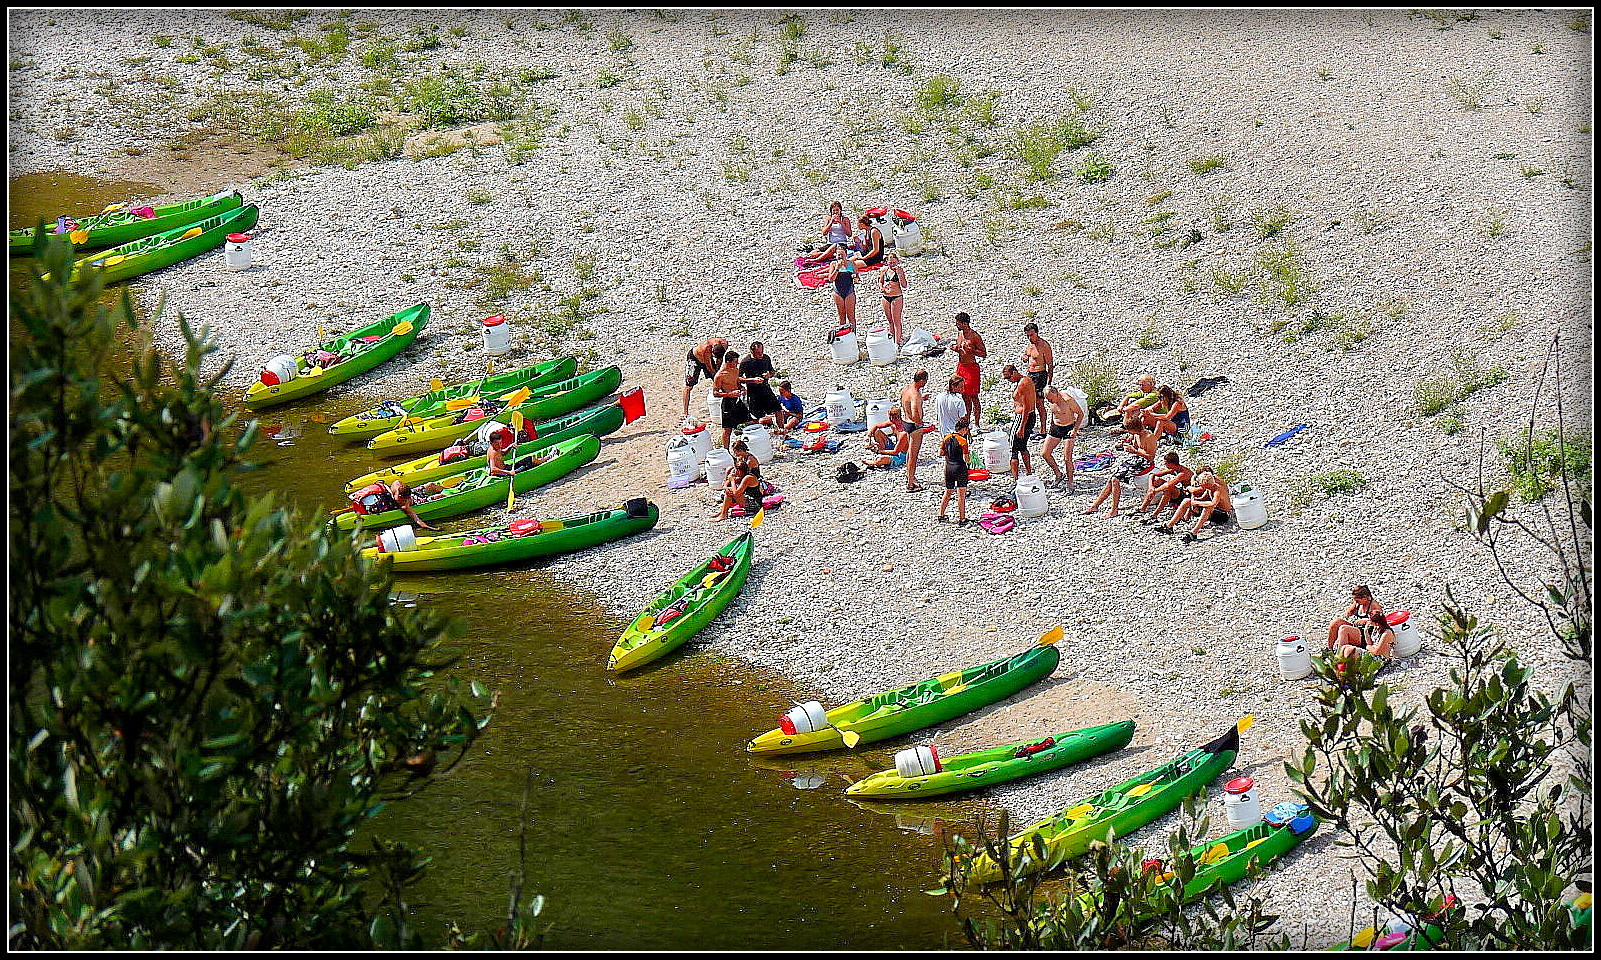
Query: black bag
pixel 637 507
pixel 847 473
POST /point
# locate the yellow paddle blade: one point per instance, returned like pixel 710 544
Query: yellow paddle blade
pixel 78 236
pixel 110 262
pixel 1080 811
pixel 1218 852
pixel 956 689
pixel 313 372
pixel 449 482
pixel 1051 636
pixel 1364 939
pixel 1255 842
pixel 491 367
pixel 1245 723
pixel 461 403
pixel 511 484
pixel 851 737
pixel 114 207
pixel 435 385
pixel 643 623
pixel 191 232
pixel 1140 790
pixel 522 394
pixel 756 521
pixel 402 328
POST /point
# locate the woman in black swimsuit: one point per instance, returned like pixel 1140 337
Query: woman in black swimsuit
pixel 892 283
pixel 873 253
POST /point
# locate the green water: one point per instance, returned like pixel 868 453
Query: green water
pixel 647 826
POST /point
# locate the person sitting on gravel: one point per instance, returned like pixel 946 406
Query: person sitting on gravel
pixel 1140 398
pixel 791 410
pixel 1360 610
pixel 836 232
pixel 742 487
pixel 1170 484
pixel 1373 636
pixel 740 450
pixel 1139 452
pixel 892 456
pixel 1208 499
pixel 887 434
pixel 1170 415
pixel 873 242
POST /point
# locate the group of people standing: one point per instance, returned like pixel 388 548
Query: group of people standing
pixel 850 254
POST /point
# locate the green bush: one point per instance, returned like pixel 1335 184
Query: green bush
pixel 1037 146
pixel 1323 486
pixel 1536 462
pixel 1467 376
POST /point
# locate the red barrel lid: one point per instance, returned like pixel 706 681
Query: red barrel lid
pixel 697 428
pixel 1398 617
pixel 877 211
pixel 238 237
pixel 1239 785
pixel 494 321
pixel 1291 640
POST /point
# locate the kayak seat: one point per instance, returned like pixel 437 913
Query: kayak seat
pixel 1254 842
pixel 1216 853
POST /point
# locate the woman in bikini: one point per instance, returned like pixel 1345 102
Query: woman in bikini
pixel 1170 415
pixel 892 283
pixel 1362 608
pixel 843 276
pixel 742 487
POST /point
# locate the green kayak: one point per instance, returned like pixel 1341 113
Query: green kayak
pixel 685 607
pixel 545 403
pixel 477 489
pixel 149 254
pixel 353 353
pixel 1432 935
pixel 523 539
pixel 1232 856
pixel 122 222
pixel 434 403
pixel 597 420
pixel 970 771
pixel 912 707
pixel 1115 812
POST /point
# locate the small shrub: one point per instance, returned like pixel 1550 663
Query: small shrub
pixel 1098 377
pixel 1095 168
pixel 1466 377
pixel 1470 94
pixel 1151 337
pixel 1323 486
pixel 1038 145
pixel 1270 222
pixel 1536 463
pixel 940 93
pixel 1205 165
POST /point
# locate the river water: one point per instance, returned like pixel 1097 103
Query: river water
pixel 646 824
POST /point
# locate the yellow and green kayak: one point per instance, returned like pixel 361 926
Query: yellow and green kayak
pixel 124 222
pixel 447 400
pixel 1232 856
pixel 476 489
pixel 598 420
pixel 522 539
pixel 341 358
pixel 1115 812
pixel 911 707
pixel 983 768
pixel 544 403
pixel 685 608
pixel 149 254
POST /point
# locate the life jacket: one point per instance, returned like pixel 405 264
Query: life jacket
pixel 373 498
pixel 959 439
pixel 456 451
pixel 720 562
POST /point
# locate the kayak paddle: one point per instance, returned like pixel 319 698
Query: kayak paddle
pixel 511 482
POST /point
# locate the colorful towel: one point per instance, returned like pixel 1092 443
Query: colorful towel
pixel 814 277
pixel 1099 461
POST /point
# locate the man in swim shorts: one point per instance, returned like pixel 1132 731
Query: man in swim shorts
pixel 969 347
pixel 1024 402
pixel 704 360
pixel 917 425
pixel 1068 414
pixel 1040 362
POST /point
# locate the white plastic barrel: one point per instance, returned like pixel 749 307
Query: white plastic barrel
pixel 759 441
pixel 497 335
pixel 397 539
pixel 681 460
pixel 1030 496
pixel 1295 658
pixel 700 438
pixel 909 239
pixel 844 348
pixel 714 408
pixel 918 761
pixel 1249 510
pixel 839 406
pixel 236 251
pixel 878 411
pixel 718 463
pixel 1407 639
pixel 1241 803
pixel 881 348
pixel 808 717
pixel 997 451
pixel 280 369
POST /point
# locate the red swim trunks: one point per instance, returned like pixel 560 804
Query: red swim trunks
pixel 971 376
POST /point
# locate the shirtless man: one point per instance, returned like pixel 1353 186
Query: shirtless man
pixel 1040 363
pixel 1024 402
pixel 703 360
pixel 917 424
pixel 969 347
pixel 1139 453
pixel 731 394
pixel 1067 419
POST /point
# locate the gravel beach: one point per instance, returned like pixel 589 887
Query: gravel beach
pixel 1328 208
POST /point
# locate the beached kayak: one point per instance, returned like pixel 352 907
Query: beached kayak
pixel 1401 935
pixel 1230 857
pixel 597 421
pixel 338 360
pixel 545 403
pixel 911 707
pixel 149 254
pixel 389 414
pixel 477 488
pixel 522 539
pixel 970 771
pixel 1115 812
pixel 684 608
pixel 122 222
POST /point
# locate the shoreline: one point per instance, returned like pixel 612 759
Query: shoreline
pixel 857 589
